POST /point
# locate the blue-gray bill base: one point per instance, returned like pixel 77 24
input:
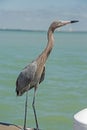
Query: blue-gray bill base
pixel 34 73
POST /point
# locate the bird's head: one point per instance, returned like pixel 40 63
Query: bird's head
pixel 57 24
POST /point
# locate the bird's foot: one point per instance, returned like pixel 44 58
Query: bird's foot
pixel 29 129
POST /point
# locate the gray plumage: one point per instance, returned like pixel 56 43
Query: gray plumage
pixel 27 78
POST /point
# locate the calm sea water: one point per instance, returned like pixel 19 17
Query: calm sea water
pixel 64 90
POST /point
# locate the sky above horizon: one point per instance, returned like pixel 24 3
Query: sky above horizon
pixel 37 15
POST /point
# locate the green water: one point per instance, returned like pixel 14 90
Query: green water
pixel 64 90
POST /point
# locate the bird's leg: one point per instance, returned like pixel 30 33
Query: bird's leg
pixel 25 116
pixel 33 105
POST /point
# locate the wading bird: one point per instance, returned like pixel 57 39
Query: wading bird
pixel 33 74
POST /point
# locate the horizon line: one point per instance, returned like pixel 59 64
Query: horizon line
pixel 38 30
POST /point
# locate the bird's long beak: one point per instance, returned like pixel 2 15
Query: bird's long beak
pixel 74 21
pixel 68 22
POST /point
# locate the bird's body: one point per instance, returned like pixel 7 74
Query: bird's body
pixel 29 77
pixel 33 74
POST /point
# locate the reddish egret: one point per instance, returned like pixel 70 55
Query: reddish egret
pixel 33 74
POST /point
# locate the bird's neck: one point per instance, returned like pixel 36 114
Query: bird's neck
pixel 50 43
pixel 44 55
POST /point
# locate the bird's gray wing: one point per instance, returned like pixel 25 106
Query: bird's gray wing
pixel 26 76
pixel 42 75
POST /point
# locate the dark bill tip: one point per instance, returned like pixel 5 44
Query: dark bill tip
pixel 74 21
